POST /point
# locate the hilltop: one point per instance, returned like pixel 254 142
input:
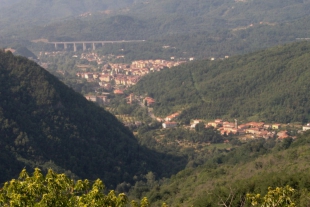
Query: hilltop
pixel 269 85
pixel 46 124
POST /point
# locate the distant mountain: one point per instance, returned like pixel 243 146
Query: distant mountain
pixel 165 17
pixel 117 27
pixel 35 12
pixel 269 85
pixel 178 14
pixel 44 123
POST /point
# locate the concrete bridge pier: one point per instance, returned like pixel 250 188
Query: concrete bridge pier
pixel 65 46
pixel 74 47
pixel 56 47
pixel 84 46
pixel 94 46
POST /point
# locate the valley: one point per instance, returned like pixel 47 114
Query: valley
pixel 154 103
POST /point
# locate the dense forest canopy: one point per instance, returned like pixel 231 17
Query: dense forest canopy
pixel 44 123
pixel 269 85
pixel 255 167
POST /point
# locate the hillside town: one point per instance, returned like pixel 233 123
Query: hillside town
pixel 117 77
pixel 120 74
pixel 244 131
pixel 248 130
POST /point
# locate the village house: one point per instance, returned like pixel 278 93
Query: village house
pixel 267 126
pixel 307 127
pixel 213 124
pixel 95 75
pixel 172 116
pixel 105 77
pixel 195 122
pixel 148 101
pixel 169 124
pixel 88 75
pixel 159 119
pixel 255 131
pixel 130 98
pixel 118 92
pixel 243 126
pixel 106 86
pixel 259 125
pixel 120 80
pixel 276 126
pixel 282 134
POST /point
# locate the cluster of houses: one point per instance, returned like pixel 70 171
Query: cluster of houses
pixel 123 74
pixel 255 129
pixel 168 121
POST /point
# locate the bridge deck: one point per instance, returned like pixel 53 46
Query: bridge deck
pixel 91 42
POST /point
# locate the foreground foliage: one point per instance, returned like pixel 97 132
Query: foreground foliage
pixel 59 190
pixel 278 197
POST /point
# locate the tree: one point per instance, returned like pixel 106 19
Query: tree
pixel 278 197
pixel 59 190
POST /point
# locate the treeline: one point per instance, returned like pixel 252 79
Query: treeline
pixel 269 85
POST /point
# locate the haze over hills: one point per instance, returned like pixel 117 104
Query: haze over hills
pixel 44 123
pixel 35 12
pixel 200 15
pixel 169 17
pixel 195 29
pixel 270 85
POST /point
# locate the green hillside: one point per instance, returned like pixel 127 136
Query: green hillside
pixel 46 124
pixel 269 85
pixel 227 178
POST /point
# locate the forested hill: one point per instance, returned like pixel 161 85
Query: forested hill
pixel 176 15
pixel 269 85
pixel 46 124
pixel 227 178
